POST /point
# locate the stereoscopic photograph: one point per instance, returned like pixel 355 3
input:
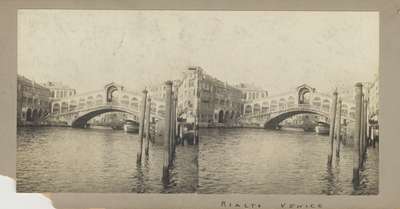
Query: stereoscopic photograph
pixel 207 102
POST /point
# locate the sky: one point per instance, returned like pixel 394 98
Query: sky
pixel 86 49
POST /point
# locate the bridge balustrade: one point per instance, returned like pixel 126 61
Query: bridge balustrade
pixel 286 109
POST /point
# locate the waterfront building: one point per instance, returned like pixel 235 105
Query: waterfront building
pixel 251 92
pixel 158 91
pixel 373 99
pixel 33 101
pixel 218 103
pixel 59 90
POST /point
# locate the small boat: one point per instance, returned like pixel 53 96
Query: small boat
pixel 322 128
pixel 117 127
pixel 131 127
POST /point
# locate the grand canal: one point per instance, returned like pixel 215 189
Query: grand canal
pixel 246 161
pixel 259 161
pixel 51 159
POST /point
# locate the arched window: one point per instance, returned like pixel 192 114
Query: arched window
pixel 29 115
pixel 290 102
pixel 273 106
pixel 248 109
pixel 226 116
pixel 99 99
pixel 64 107
pixel 265 107
pixel 344 110
pixel 352 112
pixel 90 101
pixel 161 112
pixel 256 108
pixel 35 115
pixel 135 103
pixel 82 103
pixel 221 116
pixel 282 104
pixel 153 108
pixel 72 105
pixel 40 113
pixel 316 101
pixel 125 100
pixel 326 105
pixel 56 108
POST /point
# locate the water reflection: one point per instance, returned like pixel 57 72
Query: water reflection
pixel 259 161
pixel 53 159
pixel 247 161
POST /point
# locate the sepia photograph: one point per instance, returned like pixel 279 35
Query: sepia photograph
pixel 206 102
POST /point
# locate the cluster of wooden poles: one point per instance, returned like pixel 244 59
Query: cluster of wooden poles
pixel 361 141
pixel 171 128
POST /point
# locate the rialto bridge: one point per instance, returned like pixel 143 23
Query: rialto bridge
pixel 270 111
pixel 77 110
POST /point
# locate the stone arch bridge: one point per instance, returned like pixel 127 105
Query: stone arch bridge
pixel 269 111
pixel 77 110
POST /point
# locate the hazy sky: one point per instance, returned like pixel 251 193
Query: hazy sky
pixel 274 50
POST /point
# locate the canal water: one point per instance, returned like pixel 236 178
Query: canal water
pixel 61 159
pixel 259 161
pixel 246 161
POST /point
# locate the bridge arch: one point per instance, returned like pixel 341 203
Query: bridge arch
pixel 274 121
pixel 81 120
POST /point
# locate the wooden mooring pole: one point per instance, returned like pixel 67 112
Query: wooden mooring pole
pixel 365 129
pixel 357 134
pixel 362 132
pixel 141 126
pixel 167 131
pixel 171 128
pixel 174 122
pixel 338 128
pixel 148 135
pixel 332 126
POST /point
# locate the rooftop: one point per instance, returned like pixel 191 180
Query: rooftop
pixel 56 85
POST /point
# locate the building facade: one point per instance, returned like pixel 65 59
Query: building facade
pixel 251 92
pixel 373 99
pixel 33 101
pixel 218 103
pixel 59 90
